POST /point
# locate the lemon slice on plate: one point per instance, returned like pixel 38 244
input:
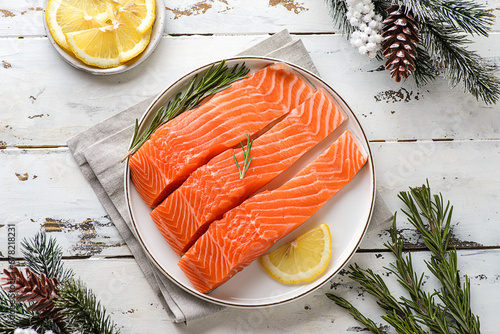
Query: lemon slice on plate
pixel 74 15
pixel 139 13
pixel 107 46
pixel 101 33
pixel 303 259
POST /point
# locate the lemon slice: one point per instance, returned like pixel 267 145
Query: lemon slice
pixel 74 15
pixel 101 33
pixel 303 259
pixel 107 46
pixel 139 13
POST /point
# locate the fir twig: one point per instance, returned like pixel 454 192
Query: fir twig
pixel 81 310
pixel 462 15
pixel 14 315
pixel 43 255
pixel 213 81
pixel 338 10
pixel 460 64
pixel 246 156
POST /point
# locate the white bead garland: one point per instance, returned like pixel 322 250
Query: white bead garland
pixel 29 331
pixel 366 38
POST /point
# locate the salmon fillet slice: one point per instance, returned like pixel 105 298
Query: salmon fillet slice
pixel 188 141
pixel 216 187
pixel 250 229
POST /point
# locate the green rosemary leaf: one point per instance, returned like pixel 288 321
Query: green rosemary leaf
pixel 246 156
pixel 443 263
pixel 368 323
pixel 446 310
pixel 216 79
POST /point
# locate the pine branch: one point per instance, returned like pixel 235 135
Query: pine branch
pixel 425 71
pixel 443 29
pixel 81 310
pixel 460 64
pixel 338 10
pixel 14 315
pixel 462 15
pixel 45 256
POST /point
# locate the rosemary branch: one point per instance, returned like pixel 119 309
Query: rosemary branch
pixel 443 264
pixel 213 81
pixel 446 310
pixel 246 156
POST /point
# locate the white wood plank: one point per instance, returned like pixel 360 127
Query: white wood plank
pixel 49 104
pixel 25 17
pixel 70 211
pixel 120 285
pixel 466 172
pixel 247 17
pixel 44 188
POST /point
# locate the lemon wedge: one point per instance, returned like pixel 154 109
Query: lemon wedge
pixel 303 259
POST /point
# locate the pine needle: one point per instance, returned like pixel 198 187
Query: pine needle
pixel 81 311
pixel 43 255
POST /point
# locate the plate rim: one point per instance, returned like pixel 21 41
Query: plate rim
pixel 323 280
pixel 79 65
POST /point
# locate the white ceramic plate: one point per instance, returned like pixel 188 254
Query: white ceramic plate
pixel 156 35
pixel 347 214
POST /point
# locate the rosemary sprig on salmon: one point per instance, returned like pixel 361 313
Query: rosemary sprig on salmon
pixel 216 79
pixel 246 156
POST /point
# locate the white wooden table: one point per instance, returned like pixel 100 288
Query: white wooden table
pixel 432 133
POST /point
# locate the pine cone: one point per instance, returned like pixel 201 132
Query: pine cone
pixel 400 39
pixel 34 288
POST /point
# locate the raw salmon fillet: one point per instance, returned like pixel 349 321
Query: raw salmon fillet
pixel 250 229
pixel 188 141
pixel 216 187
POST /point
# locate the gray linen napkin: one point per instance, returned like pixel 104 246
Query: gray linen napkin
pixel 99 150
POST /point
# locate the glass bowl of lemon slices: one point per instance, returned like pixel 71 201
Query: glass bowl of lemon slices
pixel 107 36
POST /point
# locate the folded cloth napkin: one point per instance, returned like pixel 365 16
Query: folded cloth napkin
pixel 99 150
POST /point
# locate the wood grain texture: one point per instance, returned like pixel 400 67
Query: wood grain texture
pixel 432 132
pixel 24 18
pixel 51 103
pixel 70 211
pixel 120 285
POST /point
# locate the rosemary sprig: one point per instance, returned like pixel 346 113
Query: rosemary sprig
pixel 213 81
pixel 368 323
pixel 435 231
pixel 246 156
pixel 428 214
